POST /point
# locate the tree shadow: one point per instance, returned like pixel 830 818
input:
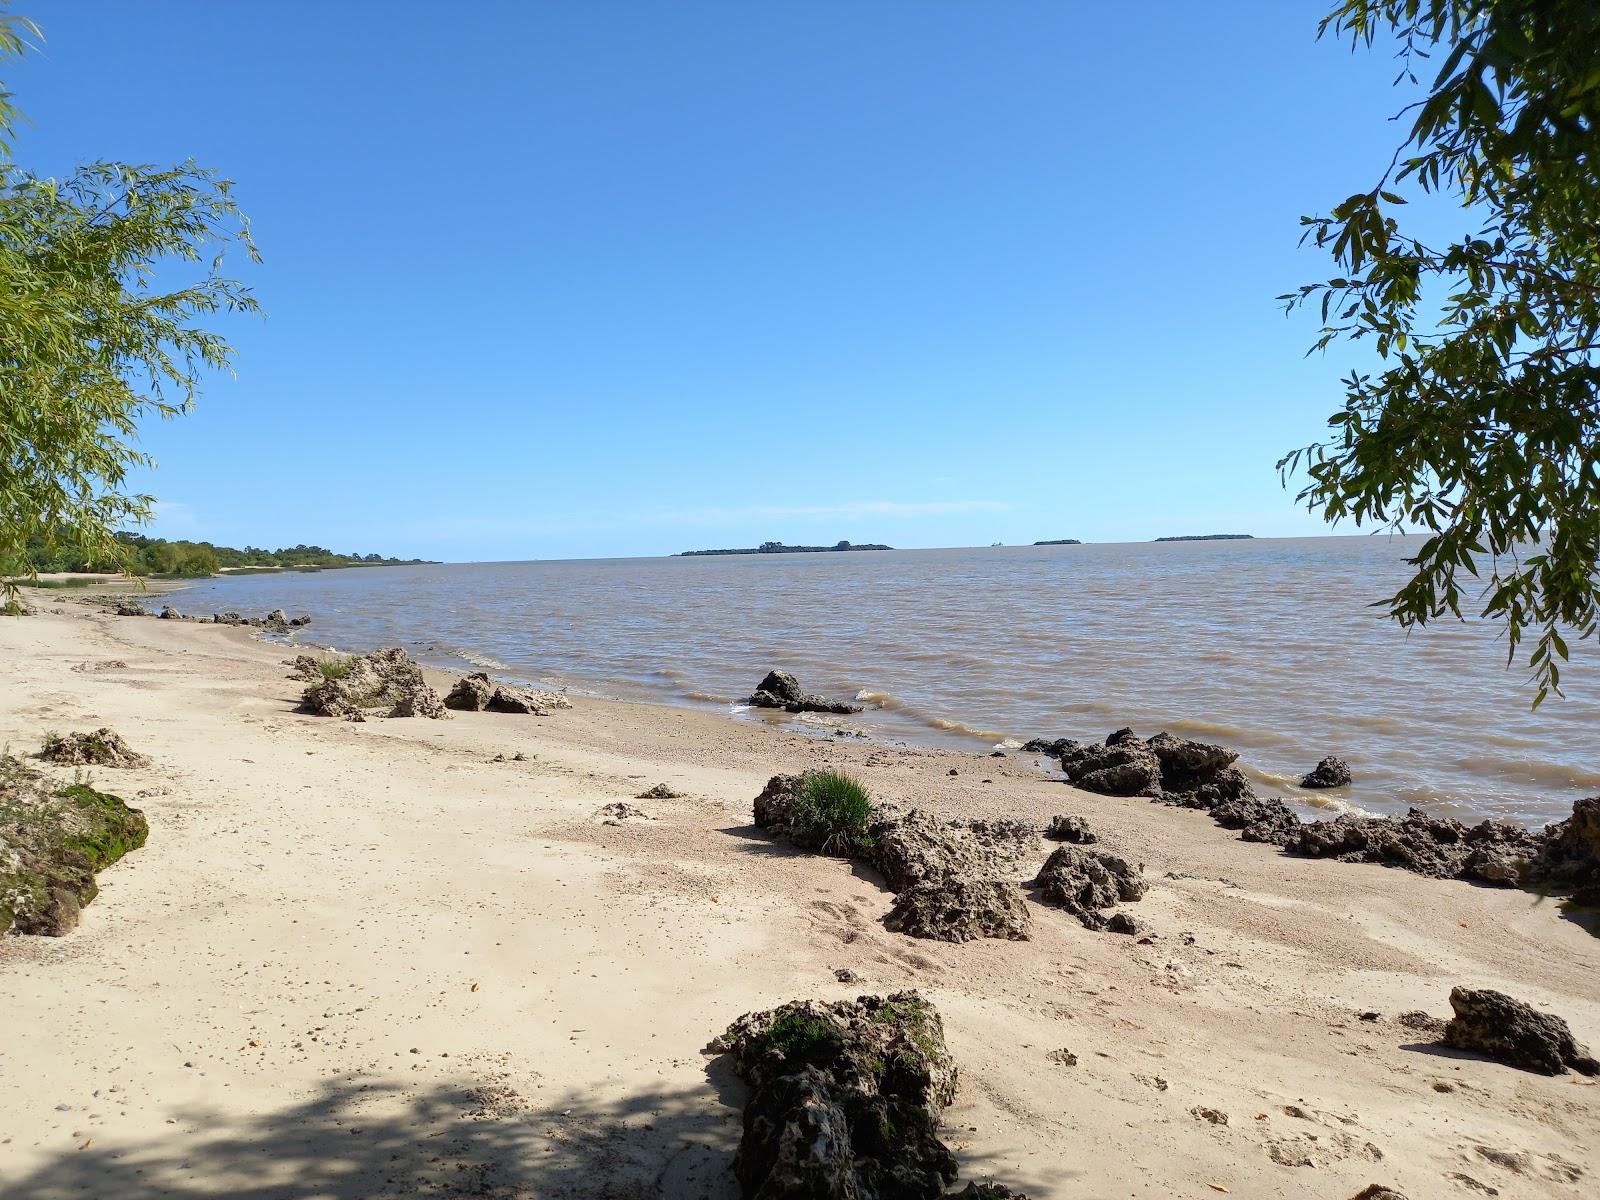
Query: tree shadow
pixel 360 1139
pixel 363 1140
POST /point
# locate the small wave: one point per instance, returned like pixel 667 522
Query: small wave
pixel 1376 723
pixel 1537 770
pixel 1272 778
pixel 949 726
pixel 709 698
pixel 478 659
pixel 1212 728
pixel 1323 802
pixel 878 699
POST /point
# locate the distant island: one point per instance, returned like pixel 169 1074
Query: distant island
pixel 1210 537
pixel 780 548
pixel 1060 542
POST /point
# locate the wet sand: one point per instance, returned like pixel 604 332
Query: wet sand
pixel 364 960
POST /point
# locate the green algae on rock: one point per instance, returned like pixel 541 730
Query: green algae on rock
pixel 52 841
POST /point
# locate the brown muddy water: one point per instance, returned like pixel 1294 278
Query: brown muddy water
pixel 1265 646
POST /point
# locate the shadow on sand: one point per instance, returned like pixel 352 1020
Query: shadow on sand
pixel 358 1140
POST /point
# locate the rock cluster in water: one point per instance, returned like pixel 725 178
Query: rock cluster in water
pixel 385 683
pixel 845 1101
pixel 1189 774
pixel 1173 770
pixel 102 748
pixel 1331 772
pixel 478 693
pixel 782 690
pixel 276 621
pixel 52 841
pixel 1493 1024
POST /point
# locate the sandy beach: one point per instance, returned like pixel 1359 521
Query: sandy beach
pixel 366 960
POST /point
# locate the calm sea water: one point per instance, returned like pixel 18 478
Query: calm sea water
pixel 1266 646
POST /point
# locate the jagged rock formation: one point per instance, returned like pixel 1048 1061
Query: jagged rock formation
pixel 1331 772
pixel 1088 882
pixel 52 841
pixel 783 691
pixel 1570 856
pixel 957 908
pixel 1440 847
pixel 129 608
pixel 1170 769
pixel 102 748
pixel 1493 1024
pixel 1070 829
pixel 910 846
pixel 845 1100
pixel 385 683
pixel 478 693
pixel 1258 819
pixel 953 880
pixel 775 803
pixel 1054 747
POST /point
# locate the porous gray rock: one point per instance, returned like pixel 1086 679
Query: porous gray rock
pixel 130 608
pixel 1054 747
pixel 1494 1024
pixel 775 804
pixel 1258 819
pixel 1086 882
pixel 911 845
pixel 1331 772
pixel 478 693
pixel 1070 829
pixel 957 908
pixel 1124 768
pixel 102 748
pixel 168 613
pixel 384 683
pixel 661 791
pixel 844 1100
pixel 1496 852
pixel 1570 856
pixel 782 690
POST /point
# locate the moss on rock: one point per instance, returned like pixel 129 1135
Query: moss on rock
pixel 52 841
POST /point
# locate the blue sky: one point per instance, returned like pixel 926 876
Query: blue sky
pixel 570 280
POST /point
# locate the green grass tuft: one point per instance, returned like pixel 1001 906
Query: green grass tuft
pixel 335 668
pixel 830 813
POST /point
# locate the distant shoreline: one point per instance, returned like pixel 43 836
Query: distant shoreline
pixel 1209 537
pixel 780 548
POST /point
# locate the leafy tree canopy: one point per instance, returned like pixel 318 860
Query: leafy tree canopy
pixel 95 336
pixel 1480 423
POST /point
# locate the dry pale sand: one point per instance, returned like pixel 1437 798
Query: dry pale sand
pixel 363 960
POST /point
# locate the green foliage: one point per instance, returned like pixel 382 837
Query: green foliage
pixel 95 336
pixel 335 668
pixel 830 813
pixel 1482 423
pixel 157 556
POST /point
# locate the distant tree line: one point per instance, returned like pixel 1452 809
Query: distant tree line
pixel 157 556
